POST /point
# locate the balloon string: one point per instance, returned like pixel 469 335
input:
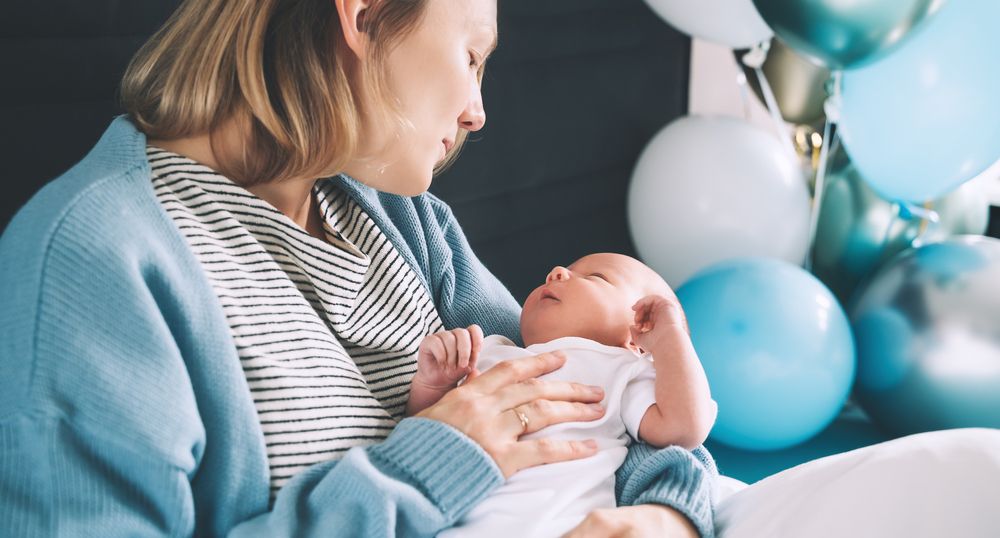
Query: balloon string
pixel 929 218
pixel 755 60
pixel 772 107
pixel 741 82
pixel 832 109
pixel 820 186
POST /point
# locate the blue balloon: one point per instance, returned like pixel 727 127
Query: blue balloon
pixel 776 347
pixel 926 118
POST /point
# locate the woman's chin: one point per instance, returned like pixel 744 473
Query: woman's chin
pixel 416 187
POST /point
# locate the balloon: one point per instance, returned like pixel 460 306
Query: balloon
pixel 799 85
pixel 857 229
pixel 925 119
pixel 776 348
pixel 927 328
pixel 735 23
pixel 842 35
pixel 710 189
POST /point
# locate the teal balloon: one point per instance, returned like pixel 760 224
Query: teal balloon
pixel 927 327
pixel 926 118
pixel 776 348
pixel 858 230
pixel 843 35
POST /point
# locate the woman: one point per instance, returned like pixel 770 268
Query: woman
pixel 200 337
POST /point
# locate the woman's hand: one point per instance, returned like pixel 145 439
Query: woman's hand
pixel 635 521
pixel 496 408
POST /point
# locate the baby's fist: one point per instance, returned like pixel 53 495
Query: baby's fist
pixel 655 315
pixel 446 357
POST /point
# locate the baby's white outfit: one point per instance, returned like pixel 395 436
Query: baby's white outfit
pixel 550 500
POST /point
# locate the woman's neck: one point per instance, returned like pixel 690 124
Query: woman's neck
pixel 293 198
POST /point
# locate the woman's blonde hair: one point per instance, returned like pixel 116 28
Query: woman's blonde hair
pixel 274 66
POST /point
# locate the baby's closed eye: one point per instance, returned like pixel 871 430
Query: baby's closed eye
pixel 600 276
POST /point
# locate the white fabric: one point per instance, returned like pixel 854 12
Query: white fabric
pixel 725 486
pixel 930 485
pixel 549 500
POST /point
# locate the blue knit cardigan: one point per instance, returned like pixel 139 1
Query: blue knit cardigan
pixel 124 410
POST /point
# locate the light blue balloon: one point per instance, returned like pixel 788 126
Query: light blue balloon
pixel 926 118
pixel 776 348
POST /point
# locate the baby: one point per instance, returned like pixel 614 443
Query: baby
pixel 622 328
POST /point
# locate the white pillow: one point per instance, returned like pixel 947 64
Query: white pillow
pixel 726 486
pixel 933 485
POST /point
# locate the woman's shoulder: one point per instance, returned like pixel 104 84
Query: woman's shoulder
pixel 107 193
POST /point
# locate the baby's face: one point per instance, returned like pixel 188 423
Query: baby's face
pixel 592 298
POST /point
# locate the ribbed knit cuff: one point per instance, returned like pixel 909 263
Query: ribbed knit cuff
pixel 450 469
pixel 673 477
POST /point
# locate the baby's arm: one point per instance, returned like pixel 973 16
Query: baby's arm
pixel 684 411
pixel 443 359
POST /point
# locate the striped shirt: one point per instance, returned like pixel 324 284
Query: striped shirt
pixel 327 331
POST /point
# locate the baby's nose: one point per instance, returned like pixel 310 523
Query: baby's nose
pixel 557 273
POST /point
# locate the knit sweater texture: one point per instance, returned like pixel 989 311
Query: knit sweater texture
pixel 124 410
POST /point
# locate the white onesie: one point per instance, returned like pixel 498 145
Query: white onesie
pixel 549 500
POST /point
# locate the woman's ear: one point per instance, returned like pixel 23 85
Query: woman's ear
pixel 352 22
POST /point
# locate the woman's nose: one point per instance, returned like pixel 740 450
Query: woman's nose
pixel 473 118
pixel 557 273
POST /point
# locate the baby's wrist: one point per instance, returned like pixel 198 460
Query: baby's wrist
pixel 666 334
pixel 428 383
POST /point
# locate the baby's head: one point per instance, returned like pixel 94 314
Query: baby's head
pixel 592 298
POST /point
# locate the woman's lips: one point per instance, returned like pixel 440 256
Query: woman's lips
pixel 448 144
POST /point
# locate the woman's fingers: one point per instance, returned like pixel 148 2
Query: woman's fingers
pixel 547 450
pixel 517 370
pixel 541 413
pixel 640 520
pixel 532 389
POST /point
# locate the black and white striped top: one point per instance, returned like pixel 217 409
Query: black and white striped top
pixel 327 331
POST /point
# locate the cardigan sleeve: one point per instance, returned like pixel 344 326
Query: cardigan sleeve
pixel 396 488
pixel 681 479
pixel 58 480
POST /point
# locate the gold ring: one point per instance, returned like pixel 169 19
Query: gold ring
pixel 523 418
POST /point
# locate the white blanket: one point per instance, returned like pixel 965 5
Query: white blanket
pixel 937 484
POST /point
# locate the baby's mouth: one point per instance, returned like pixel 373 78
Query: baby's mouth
pixel 546 294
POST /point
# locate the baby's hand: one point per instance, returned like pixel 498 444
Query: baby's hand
pixel 446 357
pixel 655 317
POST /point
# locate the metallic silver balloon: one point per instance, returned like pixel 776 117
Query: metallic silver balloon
pixel 858 229
pixel 799 85
pixel 927 329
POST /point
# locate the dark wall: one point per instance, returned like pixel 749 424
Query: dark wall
pixel 60 64
pixel 573 93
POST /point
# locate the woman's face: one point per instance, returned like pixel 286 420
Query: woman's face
pixel 433 73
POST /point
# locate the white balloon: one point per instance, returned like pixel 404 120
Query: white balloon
pixel 735 23
pixel 710 189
